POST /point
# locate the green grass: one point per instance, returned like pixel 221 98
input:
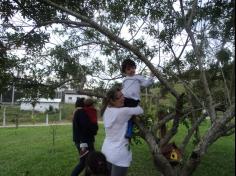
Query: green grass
pixel 30 151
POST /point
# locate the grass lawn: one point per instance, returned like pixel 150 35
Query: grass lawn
pixel 30 152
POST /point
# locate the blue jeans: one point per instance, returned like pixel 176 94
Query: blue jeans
pixel 130 103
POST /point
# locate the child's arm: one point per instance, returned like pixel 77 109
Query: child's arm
pixel 145 82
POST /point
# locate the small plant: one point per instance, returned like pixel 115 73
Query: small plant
pixel 53 131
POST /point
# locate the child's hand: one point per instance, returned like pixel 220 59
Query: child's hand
pixel 83 149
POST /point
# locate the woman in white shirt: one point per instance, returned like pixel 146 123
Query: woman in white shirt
pixel 115 145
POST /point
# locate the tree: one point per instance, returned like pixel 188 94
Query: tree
pixel 197 38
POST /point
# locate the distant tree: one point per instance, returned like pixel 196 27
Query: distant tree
pixel 189 42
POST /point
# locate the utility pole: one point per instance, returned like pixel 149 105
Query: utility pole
pixel 13 89
pixel 13 94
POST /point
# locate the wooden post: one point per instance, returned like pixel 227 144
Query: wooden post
pixel 47 119
pixel 13 95
pixel 16 120
pixel 146 95
pixel 60 115
pixel 4 116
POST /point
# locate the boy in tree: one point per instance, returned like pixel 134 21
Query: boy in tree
pixel 132 84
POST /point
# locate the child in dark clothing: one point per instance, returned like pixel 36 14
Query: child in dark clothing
pixel 90 110
pixel 83 134
pixel 96 164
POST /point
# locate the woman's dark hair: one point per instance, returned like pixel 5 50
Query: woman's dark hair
pixel 96 164
pixel 110 95
pixel 79 102
pixel 127 63
pixel 89 102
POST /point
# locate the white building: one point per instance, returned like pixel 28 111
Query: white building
pixel 71 96
pixel 41 105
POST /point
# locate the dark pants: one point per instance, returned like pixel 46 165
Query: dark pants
pixel 81 165
pixel 117 170
pixel 130 103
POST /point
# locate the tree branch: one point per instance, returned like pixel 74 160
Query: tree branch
pixel 68 22
pixel 157 124
pixel 188 24
pixel 191 132
pixel 160 161
pixel 173 130
pixel 178 57
pixel 92 93
pixel 217 130
pixel 105 31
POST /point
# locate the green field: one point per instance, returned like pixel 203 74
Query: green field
pixel 30 151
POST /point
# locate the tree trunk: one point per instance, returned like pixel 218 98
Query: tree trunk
pixel 191 165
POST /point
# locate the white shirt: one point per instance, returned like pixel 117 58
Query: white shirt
pixel 131 86
pixel 115 145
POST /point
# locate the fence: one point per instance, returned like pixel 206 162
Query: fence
pixel 10 115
